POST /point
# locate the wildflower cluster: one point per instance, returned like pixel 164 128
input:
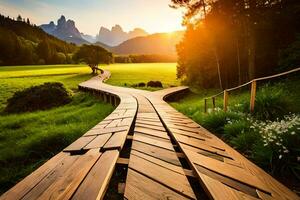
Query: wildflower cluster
pixel 278 134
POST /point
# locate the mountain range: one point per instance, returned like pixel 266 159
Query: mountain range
pixel 116 35
pixel 64 30
pixel 137 41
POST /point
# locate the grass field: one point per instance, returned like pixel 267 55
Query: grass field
pixel 130 74
pixel 15 78
pixel 27 140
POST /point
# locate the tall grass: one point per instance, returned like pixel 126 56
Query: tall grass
pixel 27 140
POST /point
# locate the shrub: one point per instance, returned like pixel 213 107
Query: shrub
pixel 245 141
pixel 154 84
pixel 282 139
pixel 141 85
pixel 270 103
pixel 40 97
pixel 215 121
pixel 232 130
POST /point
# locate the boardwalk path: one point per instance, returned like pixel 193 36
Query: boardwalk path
pixel 169 157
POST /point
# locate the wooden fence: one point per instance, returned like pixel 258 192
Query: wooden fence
pixel 253 91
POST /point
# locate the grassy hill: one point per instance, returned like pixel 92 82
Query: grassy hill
pixel 159 44
pixel 23 44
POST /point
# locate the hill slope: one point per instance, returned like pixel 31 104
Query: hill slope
pixel 22 43
pixel 159 43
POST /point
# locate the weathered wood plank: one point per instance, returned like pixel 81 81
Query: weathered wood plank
pixel 171 179
pixel 97 180
pixel 98 142
pixel 116 141
pixel 156 152
pixel 24 186
pixel 154 142
pixel 140 187
pixel 79 144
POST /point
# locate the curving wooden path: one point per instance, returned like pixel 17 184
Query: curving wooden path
pixel 170 157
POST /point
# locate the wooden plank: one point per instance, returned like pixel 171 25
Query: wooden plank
pixel 159 128
pixel 97 180
pixel 168 178
pixel 64 186
pixel 203 144
pixel 108 130
pixel 141 187
pixel 230 182
pixel 116 141
pixel 154 142
pixel 123 161
pixel 24 186
pixel 198 135
pixel 152 132
pixel 233 172
pixel 79 144
pixel 51 177
pixel 114 123
pixel 219 191
pixel 98 142
pixel 126 122
pixel 159 162
pixel 148 123
pixel 156 152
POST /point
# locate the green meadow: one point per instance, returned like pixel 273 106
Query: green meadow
pixel 27 140
pixel 127 75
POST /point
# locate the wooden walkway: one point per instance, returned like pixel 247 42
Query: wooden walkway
pixel 170 157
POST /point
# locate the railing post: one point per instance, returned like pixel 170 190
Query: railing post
pixel 253 95
pixel 225 102
pixel 205 106
pixel 214 103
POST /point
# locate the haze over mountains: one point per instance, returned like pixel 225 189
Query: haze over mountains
pixel 116 35
pixel 137 41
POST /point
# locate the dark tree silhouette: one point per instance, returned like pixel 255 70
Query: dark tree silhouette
pixel 93 55
pixel 233 41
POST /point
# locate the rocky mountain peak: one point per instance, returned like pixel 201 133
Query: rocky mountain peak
pixel 61 21
pixel 117 35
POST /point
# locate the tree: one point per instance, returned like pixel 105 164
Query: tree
pixel 93 56
pixel 245 36
pixel 28 21
pixel 19 18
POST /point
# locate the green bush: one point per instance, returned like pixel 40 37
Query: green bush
pixel 216 121
pixel 154 84
pixel 280 146
pixel 245 141
pixel 234 129
pixel 40 97
pixel 270 103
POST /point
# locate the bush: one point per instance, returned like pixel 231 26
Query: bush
pixel 245 141
pixel 234 129
pixel 270 103
pixel 216 121
pixel 280 145
pixel 40 97
pixel 141 85
pixel 154 84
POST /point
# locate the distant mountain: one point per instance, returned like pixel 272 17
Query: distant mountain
pixel 116 35
pixel 64 30
pixel 159 43
pixel 89 38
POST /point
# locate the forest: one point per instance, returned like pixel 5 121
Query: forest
pixel 23 44
pixel 231 42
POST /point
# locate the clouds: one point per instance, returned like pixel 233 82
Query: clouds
pixel 89 15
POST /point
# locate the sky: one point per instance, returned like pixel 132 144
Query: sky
pixel 89 15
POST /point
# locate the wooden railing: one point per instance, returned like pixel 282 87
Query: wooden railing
pixel 253 91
